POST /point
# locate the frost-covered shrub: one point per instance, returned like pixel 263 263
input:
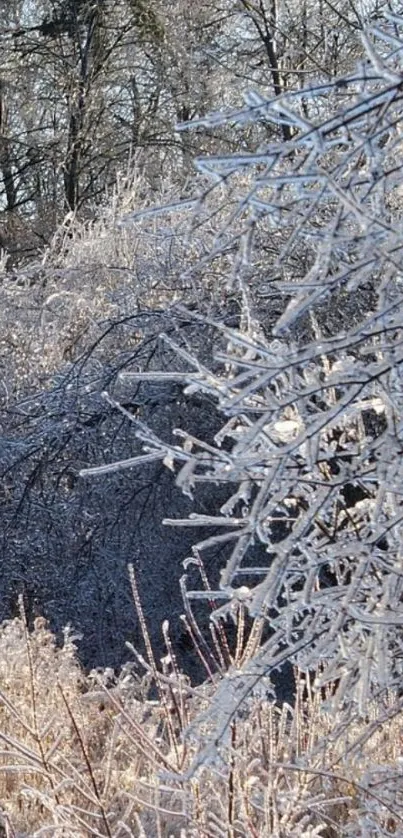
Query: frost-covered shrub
pixel 65 543
pixel 310 385
pixel 93 306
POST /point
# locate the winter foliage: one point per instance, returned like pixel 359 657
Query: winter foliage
pixel 201 416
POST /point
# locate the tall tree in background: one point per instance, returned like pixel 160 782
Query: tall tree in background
pixel 87 85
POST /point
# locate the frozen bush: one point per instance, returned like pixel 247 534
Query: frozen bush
pixel 310 386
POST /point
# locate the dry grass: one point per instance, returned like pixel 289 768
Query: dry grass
pixel 79 757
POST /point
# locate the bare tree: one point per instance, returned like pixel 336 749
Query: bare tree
pixel 86 88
